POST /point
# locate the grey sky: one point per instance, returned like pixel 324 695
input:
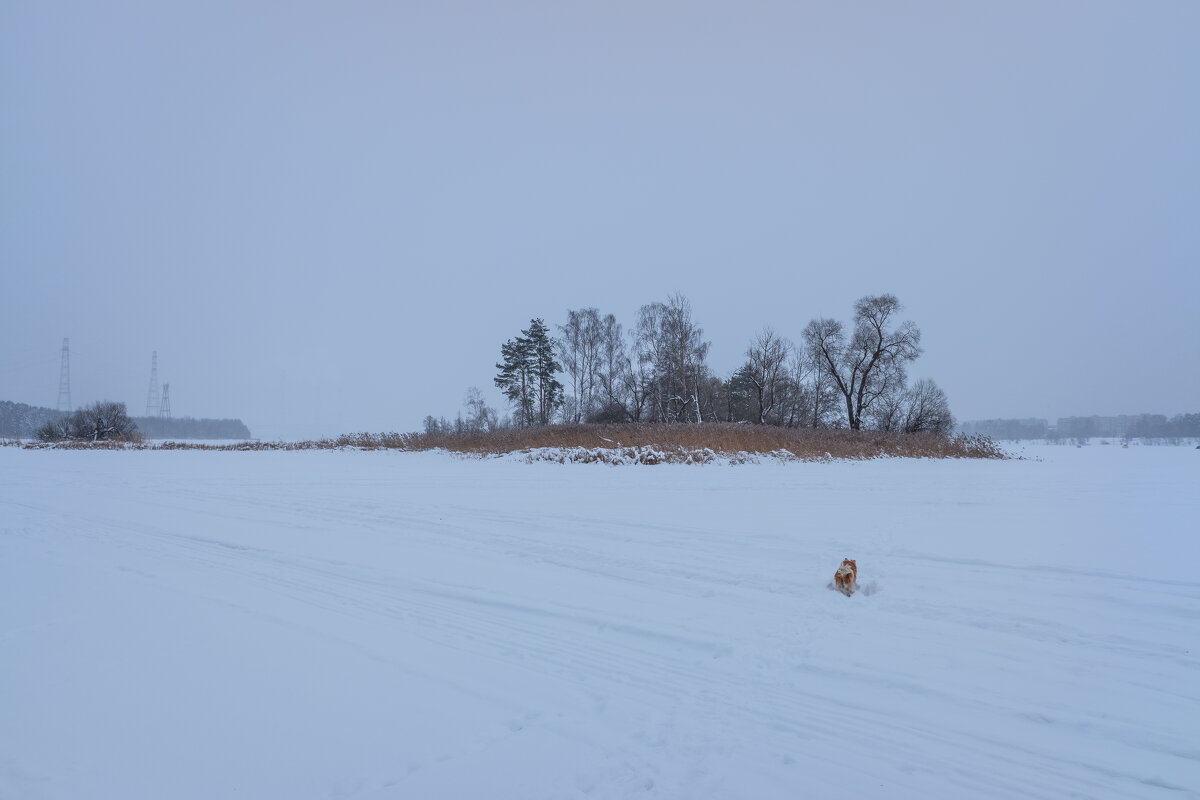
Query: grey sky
pixel 328 217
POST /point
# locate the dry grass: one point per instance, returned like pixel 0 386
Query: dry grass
pixel 646 444
pixel 83 444
pixel 687 442
pixel 361 441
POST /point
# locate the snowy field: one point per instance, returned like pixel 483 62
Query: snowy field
pixel 392 625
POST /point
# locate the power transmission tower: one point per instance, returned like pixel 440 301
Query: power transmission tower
pixel 164 410
pixel 64 379
pixel 152 400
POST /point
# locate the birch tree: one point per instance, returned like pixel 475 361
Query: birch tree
pixel 648 358
pixel 766 361
pixel 609 371
pixel 579 347
pixel 682 364
pixel 480 417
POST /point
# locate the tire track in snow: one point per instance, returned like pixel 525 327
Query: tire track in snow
pixel 482 626
pixel 631 659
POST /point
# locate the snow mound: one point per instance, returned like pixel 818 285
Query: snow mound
pixel 646 455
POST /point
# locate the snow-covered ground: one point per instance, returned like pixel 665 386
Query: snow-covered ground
pixel 398 625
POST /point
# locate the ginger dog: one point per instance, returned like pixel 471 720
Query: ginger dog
pixel 846 577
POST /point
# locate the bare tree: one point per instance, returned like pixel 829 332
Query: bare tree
pixel 683 363
pixel 712 395
pixel 809 399
pixel 647 357
pixel 766 360
pixel 922 407
pixel 667 365
pixel 822 397
pixel 610 369
pixel 637 374
pixel 887 412
pixel 579 345
pixel 870 363
pixel 793 391
pixel 480 417
pixel 102 421
pixel 53 430
pixel 570 353
pixel 927 409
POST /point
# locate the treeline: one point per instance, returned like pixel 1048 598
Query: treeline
pixel 21 421
pixel 191 428
pixel 836 376
pixel 1123 426
pixel 1007 429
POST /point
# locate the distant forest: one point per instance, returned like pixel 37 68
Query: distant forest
pixel 1125 426
pixel 21 421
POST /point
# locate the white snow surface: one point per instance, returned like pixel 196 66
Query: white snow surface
pixel 333 624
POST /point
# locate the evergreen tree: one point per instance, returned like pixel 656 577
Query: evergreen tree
pixel 549 391
pixel 516 379
pixel 527 368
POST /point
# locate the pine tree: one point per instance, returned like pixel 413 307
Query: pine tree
pixel 527 370
pixel 516 378
pixel 549 391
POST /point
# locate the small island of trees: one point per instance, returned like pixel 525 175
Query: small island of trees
pixel 852 376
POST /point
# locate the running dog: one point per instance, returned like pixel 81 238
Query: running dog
pixel 846 577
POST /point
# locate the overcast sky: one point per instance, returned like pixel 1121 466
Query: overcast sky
pixel 327 217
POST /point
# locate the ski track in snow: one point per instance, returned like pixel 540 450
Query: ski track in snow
pixel 387 625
